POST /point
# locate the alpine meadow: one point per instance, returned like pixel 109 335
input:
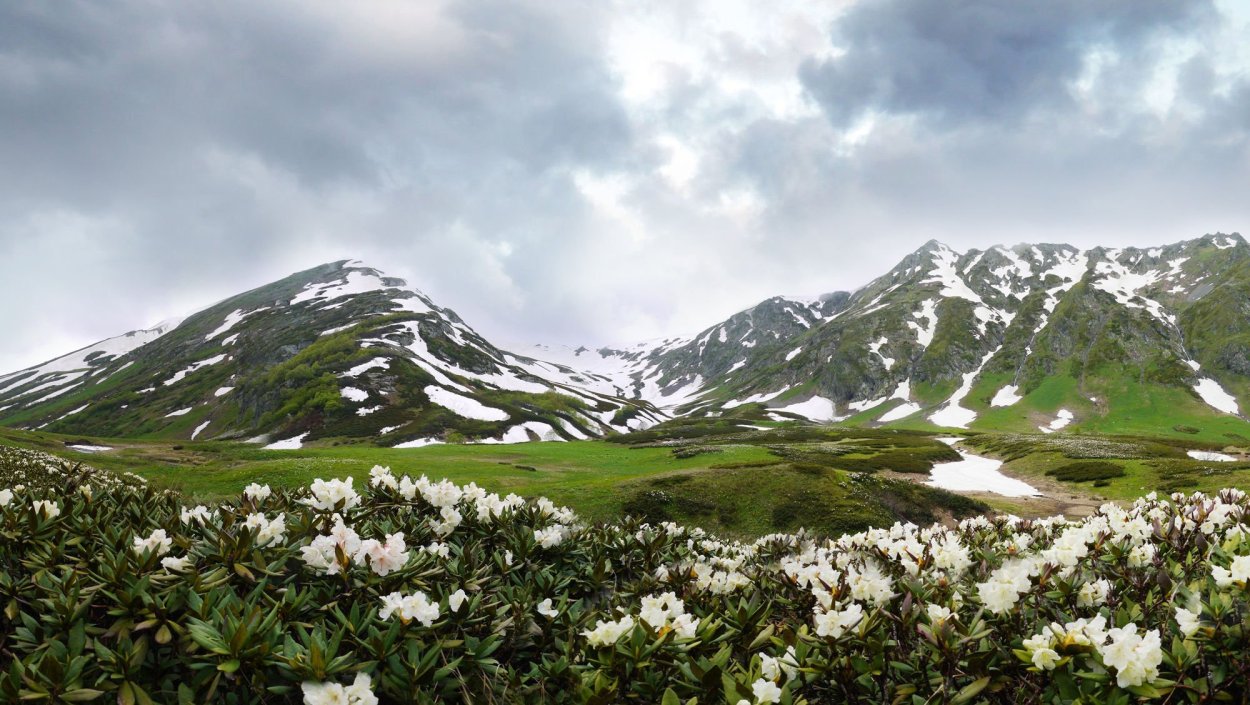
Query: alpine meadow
pixel 475 380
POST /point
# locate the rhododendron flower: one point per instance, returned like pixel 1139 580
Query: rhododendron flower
pixel 47 508
pixel 1188 621
pixel 176 565
pixel 358 693
pixel 6 498
pixel 157 542
pixel 328 496
pixel 456 600
pixel 384 558
pixel 1135 657
pixel 607 632
pixel 199 514
pixel 257 493
pixel 546 610
pixel 268 532
pixel 1093 594
pixel 410 607
pixel 937 613
pixel 382 477
pixel 835 623
pixel 766 691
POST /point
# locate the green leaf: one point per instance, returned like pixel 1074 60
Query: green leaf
pixel 229 666
pixel 670 698
pixel 970 691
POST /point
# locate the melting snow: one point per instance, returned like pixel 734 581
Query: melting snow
pixel 816 409
pixel 180 412
pixel 86 448
pixel 976 474
pixel 367 410
pixel 1210 455
pixel 377 362
pixel 793 353
pixel 223 391
pixel 464 406
pixel 419 443
pixel 294 443
pixel 181 374
pixel 953 414
pixel 755 398
pixel 928 312
pixel 355 282
pixel 354 393
pixel 888 362
pixel 1006 396
pixel 903 391
pixel 232 319
pixel 1215 396
pixel 1062 418
pixel 200 428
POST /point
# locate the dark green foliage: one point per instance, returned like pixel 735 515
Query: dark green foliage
pixel 1185 429
pixel 1086 471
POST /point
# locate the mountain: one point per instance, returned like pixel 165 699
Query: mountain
pixel 1031 337
pixel 1024 338
pixel 338 351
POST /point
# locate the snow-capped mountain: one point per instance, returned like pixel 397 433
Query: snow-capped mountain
pixel 341 350
pixel 1023 338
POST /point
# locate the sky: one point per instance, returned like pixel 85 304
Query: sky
pixel 589 171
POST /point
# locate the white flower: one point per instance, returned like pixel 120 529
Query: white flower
pixel 321 553
pixel 835 623
pixel 1240 569
pixel 551 536
pixel 199 514
pixel 546 610
pixel 384 558
pixel 766 691
pixel 415 606
pixel 1045 659
pixel 382 477
pixel 1093 594
pixel 6 498
pixel 507 557
pixel 327 496
pixel 1188 621
pixel 435 548
pixel 456 599
pixel 176 565
pixel 257 493
pixel 47 508
pixel 937 613
pixel 268 532
pixel 607 633
pixel 157 543
pixel 358 693
pixel 1134 657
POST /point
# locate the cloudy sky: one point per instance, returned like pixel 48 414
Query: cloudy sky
pixel 590 171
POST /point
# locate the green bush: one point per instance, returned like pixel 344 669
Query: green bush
pixel 1087 471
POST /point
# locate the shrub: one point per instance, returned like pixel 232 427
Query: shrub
pixel 425 592
pixel 1086 471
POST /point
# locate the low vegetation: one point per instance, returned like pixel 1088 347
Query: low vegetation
pixel 406 590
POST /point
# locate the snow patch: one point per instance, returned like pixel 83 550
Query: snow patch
pixel 464 406
pixel 1215 396
pixel 928 312
pixel 1210 455
pixel 1062 418
pixel 223 391
pixel 181 374
pixel 793 353
pixel 419 443
pixel 973 473
pixel 1006 396
pixel 200 428
pixel 180 412
pixel 354 393
pixel 375 363
pixel 86 448
pixel 816 409
pixel 294 443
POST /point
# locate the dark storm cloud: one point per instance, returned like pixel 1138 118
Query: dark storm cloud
pixel 981 59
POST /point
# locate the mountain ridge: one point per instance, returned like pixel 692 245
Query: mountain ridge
pixel 1001 338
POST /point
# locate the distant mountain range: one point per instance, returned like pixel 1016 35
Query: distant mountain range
pixel 1026 338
